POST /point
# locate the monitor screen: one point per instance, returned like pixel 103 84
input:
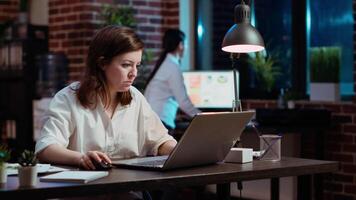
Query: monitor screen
pixel 210 89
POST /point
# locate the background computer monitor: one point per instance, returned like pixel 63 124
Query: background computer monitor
pixel 210 89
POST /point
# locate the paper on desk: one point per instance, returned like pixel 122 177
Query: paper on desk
pixel 41 168
pixel 74 176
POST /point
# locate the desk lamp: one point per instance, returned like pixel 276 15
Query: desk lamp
pixel 242 37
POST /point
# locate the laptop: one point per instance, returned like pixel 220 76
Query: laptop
pixel 207 140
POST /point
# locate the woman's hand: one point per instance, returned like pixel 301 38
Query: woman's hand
pixel 167 147
pixel 86 160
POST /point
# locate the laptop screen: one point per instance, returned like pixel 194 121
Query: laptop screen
pixel 210 89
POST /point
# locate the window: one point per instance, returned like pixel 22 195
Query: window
pixel 331 24
pixel 289 28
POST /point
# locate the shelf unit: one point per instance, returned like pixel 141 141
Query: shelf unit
pixel 18 76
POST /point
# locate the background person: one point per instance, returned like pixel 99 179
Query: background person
pixel 165 90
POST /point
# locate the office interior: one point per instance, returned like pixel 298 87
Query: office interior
pixel 43 46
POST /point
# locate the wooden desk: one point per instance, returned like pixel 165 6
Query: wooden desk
pixel 125 180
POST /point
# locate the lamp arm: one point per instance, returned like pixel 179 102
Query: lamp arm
pixel 236 103
pixel 236 92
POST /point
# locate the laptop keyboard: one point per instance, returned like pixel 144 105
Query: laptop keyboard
pixel 152 163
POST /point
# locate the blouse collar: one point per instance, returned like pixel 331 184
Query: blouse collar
pixel 174 58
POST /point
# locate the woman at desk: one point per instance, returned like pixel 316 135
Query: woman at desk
pixel 165 90
pixel 103 117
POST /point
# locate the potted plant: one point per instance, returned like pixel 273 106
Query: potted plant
pixel 5 155
pixel 325 71
pixel 118 15
pixel 28 169
pixel 266 69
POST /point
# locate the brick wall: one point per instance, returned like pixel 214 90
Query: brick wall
pixel 8 9
pixel 73 23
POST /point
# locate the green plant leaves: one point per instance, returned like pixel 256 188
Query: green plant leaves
pixel 118 15
pixel 27 158
pixel 5 153
pixel 266 69
pixel 325 64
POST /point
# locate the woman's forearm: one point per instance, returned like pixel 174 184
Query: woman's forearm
pixel 167 147
pixel 57 154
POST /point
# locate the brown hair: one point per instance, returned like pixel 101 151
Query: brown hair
pixel 107 43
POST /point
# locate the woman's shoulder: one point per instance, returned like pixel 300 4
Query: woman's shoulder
pixel 138 100
pixel 135 93
pixel 169 62
pixel 168 68
pixel 68 91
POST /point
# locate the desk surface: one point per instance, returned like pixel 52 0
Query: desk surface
pixel 126 180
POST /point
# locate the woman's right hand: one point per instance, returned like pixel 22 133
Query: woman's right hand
pixel 87 159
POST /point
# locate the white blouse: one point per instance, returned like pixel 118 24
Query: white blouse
pixel 166 92
pixel 134 130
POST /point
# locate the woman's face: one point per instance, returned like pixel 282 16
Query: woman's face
pixel 122 70
pixel 180 49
